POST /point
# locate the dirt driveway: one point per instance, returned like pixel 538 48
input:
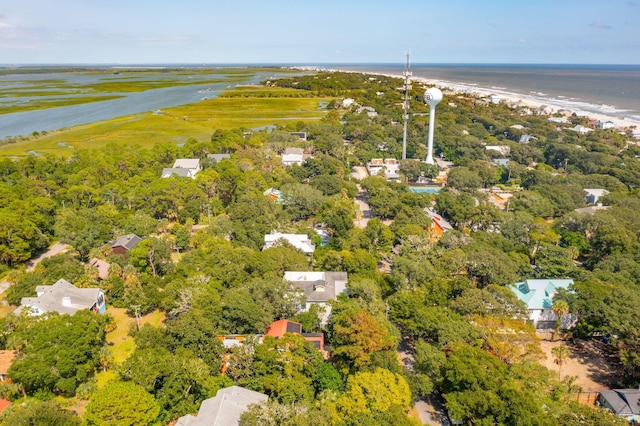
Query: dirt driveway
pixel 595 364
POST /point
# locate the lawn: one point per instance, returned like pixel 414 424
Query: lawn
pixel 119 340
pixel 178 124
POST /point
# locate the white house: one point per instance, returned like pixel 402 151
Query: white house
pixel 558 119
pixel 581 129
pixel 346 103
pixel 184 167
pixel 64 298
pixel 299 241
pixel 502 149
pixel 318 288
pixel 606 124
pixel 593 195
pixel 293 156
pixel 538 296
pixel 389 166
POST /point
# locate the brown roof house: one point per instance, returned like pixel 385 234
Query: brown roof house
pixel 123 244
pixel 319 288
pixel 102 267
pixel 64 298
pixel 224 409
pixel 278 329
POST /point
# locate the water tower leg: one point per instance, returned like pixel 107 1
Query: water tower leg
pixel 432 119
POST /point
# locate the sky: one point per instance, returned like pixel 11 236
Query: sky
pixel 318 32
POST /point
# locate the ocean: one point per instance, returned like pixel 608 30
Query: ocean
pixel 608 90
pixel 612 90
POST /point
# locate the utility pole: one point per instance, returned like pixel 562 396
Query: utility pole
pixel 405 106
pixel 136 309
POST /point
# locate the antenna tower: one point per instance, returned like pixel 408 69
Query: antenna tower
pixel 405 106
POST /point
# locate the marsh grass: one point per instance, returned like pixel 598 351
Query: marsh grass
pixel 177 124
pixel 126 81
pixel 52 103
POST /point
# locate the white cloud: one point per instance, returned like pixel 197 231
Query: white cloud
pixel 601 26
pixel 522 41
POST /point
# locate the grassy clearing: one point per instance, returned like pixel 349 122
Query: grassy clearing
pixel 121 343
pixel 202 119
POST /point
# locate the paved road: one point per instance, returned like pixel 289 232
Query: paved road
pixel 53 250
pixel 362 201
pixel 57 248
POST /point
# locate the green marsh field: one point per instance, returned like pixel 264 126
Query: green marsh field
pixel 245 106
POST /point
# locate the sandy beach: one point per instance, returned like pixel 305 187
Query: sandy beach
pixel 533 100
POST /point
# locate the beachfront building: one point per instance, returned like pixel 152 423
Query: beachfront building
pixel 580 129
pixel 538 296
pixel 605 124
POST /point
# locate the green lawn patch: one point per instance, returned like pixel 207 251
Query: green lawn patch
pixel 121 343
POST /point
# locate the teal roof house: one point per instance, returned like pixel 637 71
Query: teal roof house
pixel 538 296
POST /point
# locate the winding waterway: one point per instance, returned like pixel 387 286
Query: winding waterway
pixel 48 119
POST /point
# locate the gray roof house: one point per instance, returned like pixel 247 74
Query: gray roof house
pixel 168 172
pixel 219 157
pixel 293 156
pixel 319 287
pixel 124 243
pixel 183 167
pixel 623 402
pixel 224 409
pixel 64 298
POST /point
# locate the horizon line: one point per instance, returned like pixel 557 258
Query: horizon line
pixel 290 64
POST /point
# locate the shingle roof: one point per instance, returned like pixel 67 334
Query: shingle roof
pixel 62 297
pixel 224 409
pixel 219 157
pixel 187 163
pixel 318 286
pixel 128 241
pixel 624 402
pixel 181 172
pixel 538 294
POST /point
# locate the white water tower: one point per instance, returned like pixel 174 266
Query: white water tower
pixel 432 97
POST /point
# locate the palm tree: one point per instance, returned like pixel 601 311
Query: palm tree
pixel 560 308
pixel 560 353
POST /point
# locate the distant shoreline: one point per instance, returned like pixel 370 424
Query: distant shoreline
pixel 533 101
